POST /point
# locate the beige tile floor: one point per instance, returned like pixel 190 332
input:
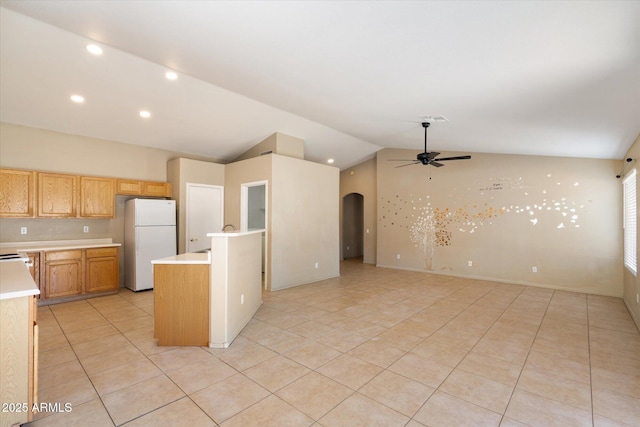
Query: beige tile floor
pixel 375 347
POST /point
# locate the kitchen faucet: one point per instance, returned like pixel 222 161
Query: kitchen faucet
pixel 233 228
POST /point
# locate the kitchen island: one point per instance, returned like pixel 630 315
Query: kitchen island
pixel 18 342
pixel 207 298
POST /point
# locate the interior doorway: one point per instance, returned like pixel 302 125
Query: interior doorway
pixel 205 213
pixel 352 226
pixel 254 214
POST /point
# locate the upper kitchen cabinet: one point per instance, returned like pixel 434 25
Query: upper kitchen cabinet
pixel 97 197
pixel 17 193
pixel 143 188
pixel 57 195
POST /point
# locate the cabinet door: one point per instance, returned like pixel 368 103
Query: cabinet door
pixel 101 270
pixel 17 193
pixel 63 274
pixel 97 197
pixel 57 195
pixel 129 187
pixel 157 189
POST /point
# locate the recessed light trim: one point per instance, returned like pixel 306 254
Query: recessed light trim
pixel 170 75
pixel 330 161
pixel 78 99
pixel 145 114
pixel 94 49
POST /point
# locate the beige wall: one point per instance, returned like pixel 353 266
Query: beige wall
pixel 278 143
pixel 361 179
pixel 506 214
pixel 304 211
pixel 29 148
pixel 181 172
pixel 631 282
pixel 302 216
pixel 235 284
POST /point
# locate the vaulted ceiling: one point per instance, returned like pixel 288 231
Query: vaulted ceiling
pixel 557 78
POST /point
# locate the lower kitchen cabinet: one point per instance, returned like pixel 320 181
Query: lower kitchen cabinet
pixel 77 272
pixel 101 268
pixel 63 273
pixel 19 359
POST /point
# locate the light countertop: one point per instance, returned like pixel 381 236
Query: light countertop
pixel 56 245
pixel 188 258
pixel 235 233
pixel 16 281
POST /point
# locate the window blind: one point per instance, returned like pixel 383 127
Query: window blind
pixel 630 221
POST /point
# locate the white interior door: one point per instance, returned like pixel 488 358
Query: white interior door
pixel 205 213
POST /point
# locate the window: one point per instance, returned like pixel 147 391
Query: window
pixel 629 221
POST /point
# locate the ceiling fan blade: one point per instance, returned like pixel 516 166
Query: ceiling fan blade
pixel 432 155
pixel 454 158
pixel 400 160
pixel 436 164
pixel 408 164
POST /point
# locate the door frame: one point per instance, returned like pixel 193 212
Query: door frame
pixel 244 220
pixel 188 187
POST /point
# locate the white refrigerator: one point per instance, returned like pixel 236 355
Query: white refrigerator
pixel 149 233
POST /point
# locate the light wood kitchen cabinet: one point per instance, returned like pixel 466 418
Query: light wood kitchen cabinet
pixel 176 286
pixel 157 189
pixel 17 193
pixel 130 187
pixel 18 358
pixel 57 195
pixel 101 269
pixel 63 273
pixel 97 197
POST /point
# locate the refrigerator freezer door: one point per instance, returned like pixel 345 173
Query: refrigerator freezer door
pixel 152 243
pixel 150 212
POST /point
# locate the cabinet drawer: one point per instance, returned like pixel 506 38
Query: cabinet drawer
pixel 62 255
pixel 102 252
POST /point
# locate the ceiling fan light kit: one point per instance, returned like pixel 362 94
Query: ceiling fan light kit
pixel 428 158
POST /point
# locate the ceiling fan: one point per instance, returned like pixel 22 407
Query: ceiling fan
pixel 428 158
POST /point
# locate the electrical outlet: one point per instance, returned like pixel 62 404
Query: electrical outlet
pixel 23 230
pixel 241 299
pixel 637 298
pixel 316 265
pixel 86 229
pixel 470 263
pixel 347 247
pixel 398 256
pixel 534 269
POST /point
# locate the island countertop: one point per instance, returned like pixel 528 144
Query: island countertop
pixel 16 281
pixel 186 258
pixel 56 245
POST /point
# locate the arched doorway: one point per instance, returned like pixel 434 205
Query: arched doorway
pixel 352 226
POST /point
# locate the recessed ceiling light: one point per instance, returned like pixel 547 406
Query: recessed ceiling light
pixel 145 114
pixel 330 161
pixel 94 49
pixel 170 75
pixel 77 99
